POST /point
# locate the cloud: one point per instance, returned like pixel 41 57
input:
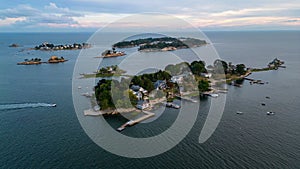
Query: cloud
pixel 9 21
pixel 52 8
pixel 19 11
pixel 51 14
pixel 200 13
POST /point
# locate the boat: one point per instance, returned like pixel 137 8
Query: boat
pixel 263 104
pixel 172 105
pixel 270 113
pixel 86 94
pixel 214 95
pixel 121 128
pixel 168 104
pixel 53 105
pixel 96 108
pixel 239 112
pixel 175 106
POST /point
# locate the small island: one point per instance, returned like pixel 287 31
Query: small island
pixel 33 61
pixel 108 71
pixel 55 59
pixel 273 65
pixel 49 46
pixel 112 53
pixel 37 61
pixel 14 45
pixel 161 44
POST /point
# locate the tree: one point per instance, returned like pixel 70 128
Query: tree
pixel 220 66
pixel 240 69
pixel 203 85
pixel 133 99
pixel 148 85
pixel 136 80
pixel 198 67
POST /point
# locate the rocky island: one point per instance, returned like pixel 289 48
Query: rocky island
pixel 33 61
pixel 55 59
pixel 112 53
pixel 14 45
pixel 161 44
pixel 49 46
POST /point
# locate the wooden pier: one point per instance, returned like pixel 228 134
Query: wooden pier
pixel 138 120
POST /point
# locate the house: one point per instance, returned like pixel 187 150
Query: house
pixel 139 95
pixel 135 88
pixel 160 84
pixel 207 75
pixel 176 79
pixel 144 91
pixel 275 63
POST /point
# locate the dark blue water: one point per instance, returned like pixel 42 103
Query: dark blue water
pixel 51 137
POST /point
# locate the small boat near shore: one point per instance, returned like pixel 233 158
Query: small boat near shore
pixel 214 95
pixel 172 105
pixel 270 113
pixel 239 112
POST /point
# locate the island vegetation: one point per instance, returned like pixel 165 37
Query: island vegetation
pixel 49 46
pixel 273 65
pixel 108 71
pixel 161 44
pixel 148 89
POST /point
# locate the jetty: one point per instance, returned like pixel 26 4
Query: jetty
pixel 146 116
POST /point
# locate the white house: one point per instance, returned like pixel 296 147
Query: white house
pixel 207 75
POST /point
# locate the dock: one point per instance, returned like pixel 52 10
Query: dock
pixel 253 81
pixel 92 112
pixel 138 120
pixel 186 99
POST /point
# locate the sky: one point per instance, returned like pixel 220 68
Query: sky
pixel 90 15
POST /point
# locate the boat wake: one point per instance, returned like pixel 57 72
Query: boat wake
pixel 24 105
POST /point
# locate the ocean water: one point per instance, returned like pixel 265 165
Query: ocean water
pixel 34 135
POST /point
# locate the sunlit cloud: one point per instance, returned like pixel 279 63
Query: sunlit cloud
pixel 9 21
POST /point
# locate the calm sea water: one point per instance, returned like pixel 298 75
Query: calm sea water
pixel 38 136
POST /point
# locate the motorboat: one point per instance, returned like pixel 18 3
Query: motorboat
pixel 270 113
pixel 53 105
pixel 239 112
